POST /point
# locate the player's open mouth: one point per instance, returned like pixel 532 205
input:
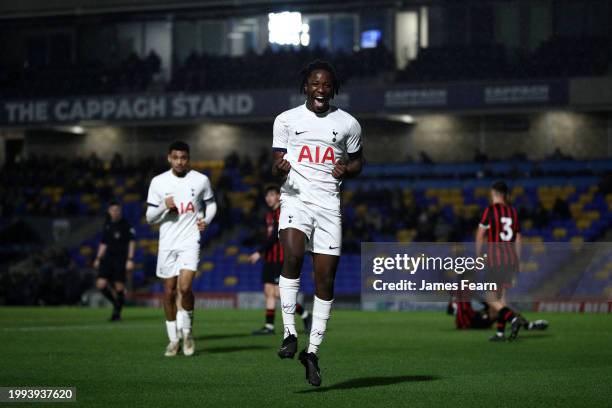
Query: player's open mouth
pixel 319 101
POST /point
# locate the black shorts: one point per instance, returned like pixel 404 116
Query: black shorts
pixel 271 272
pixel 112 268
pixel 503 275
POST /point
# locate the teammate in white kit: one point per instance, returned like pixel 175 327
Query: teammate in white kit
pixel 315 146
pixel 176 200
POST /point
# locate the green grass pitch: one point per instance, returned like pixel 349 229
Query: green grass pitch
pixel 368 359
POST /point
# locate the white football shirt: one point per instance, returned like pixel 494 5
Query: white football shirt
pixel 180 231
pixel 313 143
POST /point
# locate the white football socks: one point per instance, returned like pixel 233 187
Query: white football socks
pixel 187 316
pixel 171 330
pixel 179 320
pixel 320 315
pixel 288 289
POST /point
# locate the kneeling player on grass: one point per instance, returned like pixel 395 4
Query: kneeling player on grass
pixel 469 317
pixel 175 200
pixel 499 227
pixel 315 146
pixel 272 254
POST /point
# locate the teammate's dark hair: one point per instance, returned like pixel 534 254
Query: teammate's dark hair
pixel 178 145
pixel 272 187
pixel 501 187
pixel 317 65
pixel 113 202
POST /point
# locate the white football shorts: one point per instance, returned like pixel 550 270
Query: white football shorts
pixel 322 226
pixel 170 262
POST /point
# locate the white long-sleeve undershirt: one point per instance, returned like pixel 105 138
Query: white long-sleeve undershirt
pixel 210 212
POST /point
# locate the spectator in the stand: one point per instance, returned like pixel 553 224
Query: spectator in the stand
pixel 559 155
pixel 232 160
pixel 480 157
pixel 153 62
pixel 425 158
pixel 519 156
pixel 117 163
pixel 561 210
pixel 540 216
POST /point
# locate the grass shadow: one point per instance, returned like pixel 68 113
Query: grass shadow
pixel 368 382
pixel 221 336
pixel 533 336
pixel 231 349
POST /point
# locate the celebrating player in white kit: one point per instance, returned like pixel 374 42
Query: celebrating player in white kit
pixel 315 146
pixel 176 200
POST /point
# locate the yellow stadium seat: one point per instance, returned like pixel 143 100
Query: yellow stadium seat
pixel 530 266
pixel 577 239
pixel 405 235
pixel 583 223
pixel 231 250
pixel 131 198
pixel 602 274
pixel 568 189
pixel 86 251
pixel 207 266
pixel 481 192
pixel 361 210
pixel 430 192
pixel 249 180
pixel 243 258
pixel 131 182
pixel 592 215
pixel 559 233
pixel 230 281
pixel 518 191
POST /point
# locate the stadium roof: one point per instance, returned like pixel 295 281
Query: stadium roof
pixel 42 8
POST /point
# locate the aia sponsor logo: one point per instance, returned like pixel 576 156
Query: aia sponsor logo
pixel 183 209
pixel 316 154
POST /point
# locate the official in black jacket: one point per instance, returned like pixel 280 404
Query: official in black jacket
pixel 115 258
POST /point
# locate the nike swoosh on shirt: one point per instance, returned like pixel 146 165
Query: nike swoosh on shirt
pixel 299 133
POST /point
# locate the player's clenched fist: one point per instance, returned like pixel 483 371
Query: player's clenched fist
pixel 170 203
pixel 282 165
pixel 201 224
pixel 339 169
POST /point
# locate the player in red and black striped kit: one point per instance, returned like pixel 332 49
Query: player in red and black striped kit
pixel 272 253
pixel 500 229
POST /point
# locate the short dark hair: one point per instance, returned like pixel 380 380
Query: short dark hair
pixel 178 145
pixel 501 187
pixel 317 65
pixel 272 187
pixel 113 202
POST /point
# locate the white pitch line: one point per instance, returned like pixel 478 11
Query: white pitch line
pixel 79 327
